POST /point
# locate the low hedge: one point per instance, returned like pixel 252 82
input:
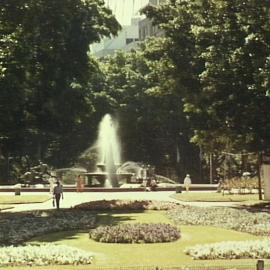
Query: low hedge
pixel 135 233
pixel 104 205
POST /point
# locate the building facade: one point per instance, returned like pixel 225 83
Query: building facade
pixel 130 36
pixel 146 27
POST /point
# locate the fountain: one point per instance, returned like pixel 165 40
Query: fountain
pixel 110 172
pixel 108 149
pixel 109 155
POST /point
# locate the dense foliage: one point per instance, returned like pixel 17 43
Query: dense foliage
pixel 205 81
pixel 135 233
pixel 46 77
pixel 153 126
pixel 221 51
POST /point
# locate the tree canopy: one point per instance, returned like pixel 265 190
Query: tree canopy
pixel 45 73
pixel 206 81
pixel 221 51
pixel 153 126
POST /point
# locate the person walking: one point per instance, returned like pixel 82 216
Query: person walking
pixel 58 192
pixel 187 182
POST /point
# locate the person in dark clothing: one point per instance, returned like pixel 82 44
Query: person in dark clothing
pixel 58 192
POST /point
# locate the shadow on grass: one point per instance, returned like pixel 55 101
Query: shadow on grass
pixel 108 218
pixel 5 207
pixel 261 207
pixel 24 199
pixel 114 218
pixel 58 236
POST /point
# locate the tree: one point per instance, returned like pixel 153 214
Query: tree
pixel 221 50
pixel 45 72
pixel 152 124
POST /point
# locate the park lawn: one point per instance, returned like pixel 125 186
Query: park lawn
pixel 160 254
pixel 21 199
pixel 214 197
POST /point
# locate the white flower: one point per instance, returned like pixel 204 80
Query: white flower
pixel 256 249
pixel 43 254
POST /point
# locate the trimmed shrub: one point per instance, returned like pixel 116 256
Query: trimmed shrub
pixel 135 233
pixel 104 205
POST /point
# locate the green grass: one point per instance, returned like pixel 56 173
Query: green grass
pixel 20 199
pixel 215 197
pixel 160 254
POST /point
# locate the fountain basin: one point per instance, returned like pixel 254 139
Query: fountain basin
pixel 98 179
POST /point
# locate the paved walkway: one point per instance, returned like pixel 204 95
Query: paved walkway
pixel 73 198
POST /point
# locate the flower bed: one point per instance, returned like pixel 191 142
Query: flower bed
pixel 16 228
pixel 104 205
pixel 224 217
pixel 44 254
pixel 258 249
pixel 135 233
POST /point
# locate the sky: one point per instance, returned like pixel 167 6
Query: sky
pixel 125 9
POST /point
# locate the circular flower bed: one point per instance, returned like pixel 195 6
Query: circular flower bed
pixel 135 233
pixel 104 205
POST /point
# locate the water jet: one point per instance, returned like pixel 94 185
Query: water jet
pixel 109 156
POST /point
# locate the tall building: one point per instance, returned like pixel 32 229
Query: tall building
pixel 126 40
pixel 146 27
pixel 124 10
pixel 138 29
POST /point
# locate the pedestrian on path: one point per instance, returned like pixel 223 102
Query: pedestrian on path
pixel 187 182
pixel 58 192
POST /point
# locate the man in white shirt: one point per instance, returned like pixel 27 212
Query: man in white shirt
pixel 187 182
